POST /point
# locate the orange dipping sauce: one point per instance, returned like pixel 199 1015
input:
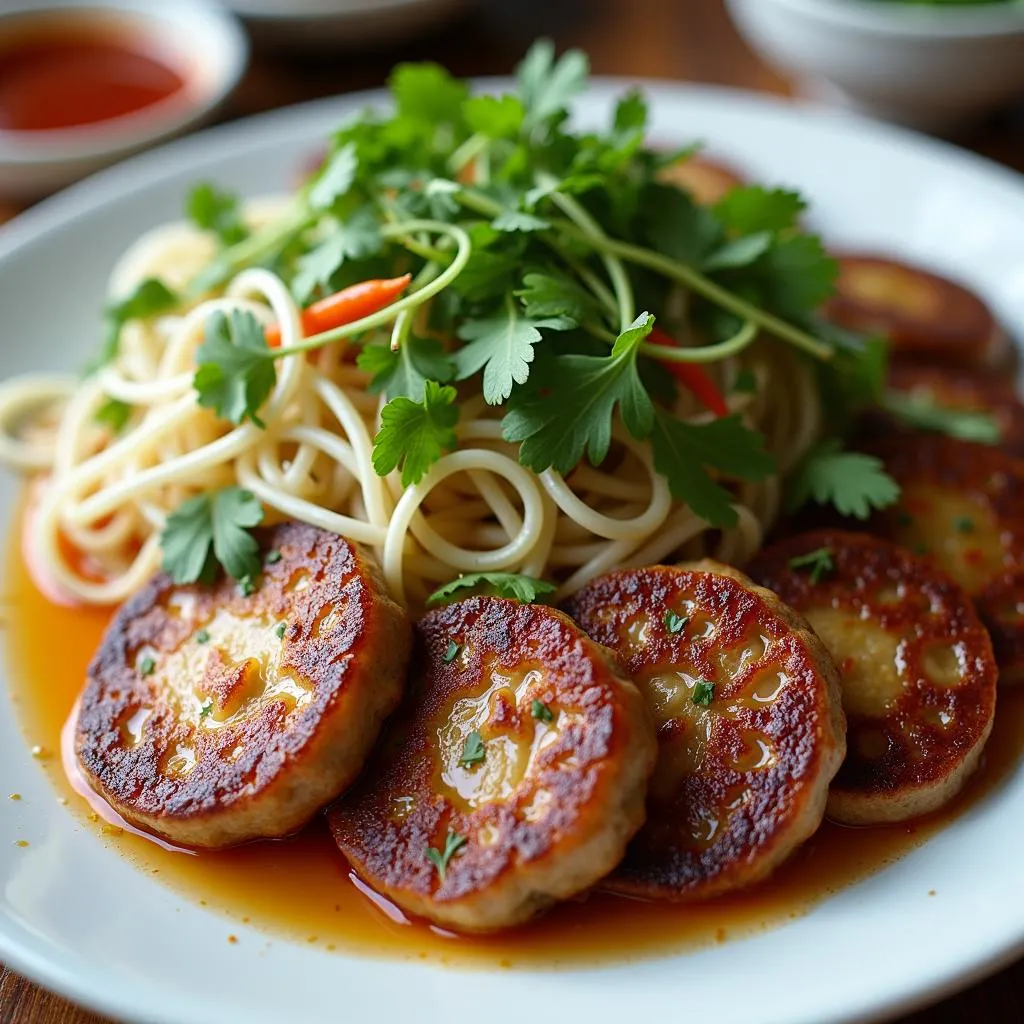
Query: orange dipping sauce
pixel 70 70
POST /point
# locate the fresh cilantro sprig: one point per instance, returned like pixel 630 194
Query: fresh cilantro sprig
pixel 211 531
pixel 148 299
pixel 503 584
pixel 414 435
pixel 218 212
pixel 236 369
pixel 854 482
pixel 818 564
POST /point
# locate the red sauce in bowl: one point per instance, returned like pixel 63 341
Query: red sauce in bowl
pixel 66 71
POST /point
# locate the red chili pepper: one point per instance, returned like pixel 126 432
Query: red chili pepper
pixel 345 307
pixel 692 376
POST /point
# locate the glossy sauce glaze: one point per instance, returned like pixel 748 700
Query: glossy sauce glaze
pixel 72 71
pixel 300 888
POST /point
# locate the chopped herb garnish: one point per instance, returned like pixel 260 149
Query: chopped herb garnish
pixel 541 711
pixel 451 652
pixel 203 636
pixel 147 666
pixel 474 751
pixel 205 710
pixel 503 584
pixel 963 524
pixel 247 585
pixel 919 409
pixel 273 557
pixel 440 859
pixel 676 623
pixel 279 630
pixel 818 563
pixel 703 693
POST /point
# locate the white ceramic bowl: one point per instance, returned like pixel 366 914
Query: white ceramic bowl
pixel 342 23
pixel 203 41
pixel 922 65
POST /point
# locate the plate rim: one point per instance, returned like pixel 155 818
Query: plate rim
pixel 212 145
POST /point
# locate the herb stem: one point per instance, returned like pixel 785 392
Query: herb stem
pixel 706 353
pixel 704 286
pixel 403 322
pixel 468 152
pixel 410 301
pixel 624 300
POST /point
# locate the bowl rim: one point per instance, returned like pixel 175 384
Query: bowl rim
pixel 914 20
pixel 221 59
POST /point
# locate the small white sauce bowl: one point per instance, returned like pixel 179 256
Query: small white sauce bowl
pixel 204 43
pixel 926 66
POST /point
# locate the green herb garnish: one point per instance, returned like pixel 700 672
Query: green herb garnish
pixel 818 563
pixel 279 630
pixel 676 623
pixel 855 483
pixel 503 584
pixel 541 712
pixel 440 859
pixel 211 530
pixel 451 652
pixel 474 751
pixel 147 666
pixel 203 636
pixel 963 524
pixel 273 557
pixel 703 693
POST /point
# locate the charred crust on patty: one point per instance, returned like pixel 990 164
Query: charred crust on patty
pixel 763 811
pixel 916 724
pixel 250 762
pixel 592 751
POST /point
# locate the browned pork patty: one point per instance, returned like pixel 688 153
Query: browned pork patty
pixel 915 664
pixel 521 749
pixel 750 719
pixel 211 718
pixel 925 316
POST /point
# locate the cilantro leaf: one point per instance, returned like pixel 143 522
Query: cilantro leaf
pixel 555 294
pixel 217 212
pixel 556 430
pixel 800 275
pixel 414 435
pixel 474 751
pixel 503 348
pixel 335 179
pixel 752 208
pixel 113 413
pixel 684 453
pixel 503 584
pixel 406 371
pixel 738 252
pixel 427 92
pixel 210 529
pixel 357 238
pixel 150 298
pixel 546 86
pixel 677 226
pixel 236 369
pixel 497 117
pixel 855 483
pixel 919 409
pixel 441 858
pixel 630 112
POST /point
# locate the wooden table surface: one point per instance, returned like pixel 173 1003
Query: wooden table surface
pixel 689 40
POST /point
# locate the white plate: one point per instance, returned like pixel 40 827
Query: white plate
pixel 79 919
